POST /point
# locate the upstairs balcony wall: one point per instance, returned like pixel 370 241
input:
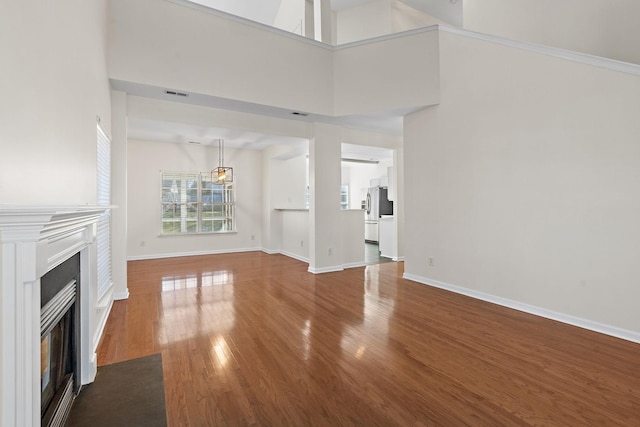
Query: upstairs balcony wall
pixel 169 45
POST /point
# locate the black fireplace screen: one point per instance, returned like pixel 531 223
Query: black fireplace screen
pixel 59 335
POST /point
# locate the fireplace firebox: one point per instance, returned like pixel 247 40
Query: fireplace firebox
pixel 59 335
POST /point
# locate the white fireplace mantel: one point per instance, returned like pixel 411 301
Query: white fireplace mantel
pixel 34 240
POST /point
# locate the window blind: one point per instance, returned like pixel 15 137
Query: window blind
pixel 103 238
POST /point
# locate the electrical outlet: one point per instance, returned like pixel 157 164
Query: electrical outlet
pixel 253 237
pixel 301 243
pixel 330 251
pixel 143 243
pixel 430 261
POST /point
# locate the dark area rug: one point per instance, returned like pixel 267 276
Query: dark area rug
pixel 128 393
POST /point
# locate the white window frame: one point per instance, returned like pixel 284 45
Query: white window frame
pixel 192 204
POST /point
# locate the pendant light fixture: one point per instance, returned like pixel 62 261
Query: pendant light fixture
pixel 222 173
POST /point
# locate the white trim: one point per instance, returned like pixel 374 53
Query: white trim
pixel 386 37
pixel 33 241
pixel 583 58
pixel 325 269
pixel 397 258
pixel 295 256
pixel 526 308
pixel 354 265
pixel 102 323
pixel 118 296
pixel 269 251
pixel 194 253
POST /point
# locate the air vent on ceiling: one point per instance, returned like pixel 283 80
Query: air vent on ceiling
pixel 370 161
pixel 173 92
pixel 298 113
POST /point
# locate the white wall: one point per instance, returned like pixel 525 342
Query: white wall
pixel 168 45
pixel 603 28
pixel 352 239
pixel 400 73
pixel 364 21
pixel 54 84
pixel 291 16
pixel 289 182
pixel 295 234
pixel 521 184
pixel 404 17
pixel 146 160
pixel 379 18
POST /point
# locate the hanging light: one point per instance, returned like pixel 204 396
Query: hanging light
pixel 222 173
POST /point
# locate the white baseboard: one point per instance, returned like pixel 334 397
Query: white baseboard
pixel 102 323
pixel 354 265
pixel 89 374
pixel 194 253
pixel 294 256
pixel 526 308
pixel 117 296
pixel 325 269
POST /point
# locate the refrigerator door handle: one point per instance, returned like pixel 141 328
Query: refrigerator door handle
pixel 368 204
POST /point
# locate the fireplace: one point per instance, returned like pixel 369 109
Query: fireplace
pixel 48 331
pixel 59 341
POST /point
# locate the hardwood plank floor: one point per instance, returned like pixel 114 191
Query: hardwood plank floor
pixel 253 339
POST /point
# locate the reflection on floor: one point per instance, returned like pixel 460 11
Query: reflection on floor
pixel 372 254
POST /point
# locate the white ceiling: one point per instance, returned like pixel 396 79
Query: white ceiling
pixel 163 131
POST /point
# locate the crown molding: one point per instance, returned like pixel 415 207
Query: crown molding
pixel 583 58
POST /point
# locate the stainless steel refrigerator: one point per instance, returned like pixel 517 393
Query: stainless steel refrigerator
pixel 376 204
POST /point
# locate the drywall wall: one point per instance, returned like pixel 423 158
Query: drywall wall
pixel 352 238
pixel 295 234
pixel 404 17
pixel 521 184
pixel 364 21
pixel 289 182
pixel 325 246
pixel 170 45
pixel 395 74
pixel 54 84
pixel 603 28
pixel 167 45
pixel 379 18
pixel 146 160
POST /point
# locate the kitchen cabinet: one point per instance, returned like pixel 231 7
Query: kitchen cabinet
pixel 371 231
pixel 387 236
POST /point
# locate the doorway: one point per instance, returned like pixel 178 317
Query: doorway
pixel 365 185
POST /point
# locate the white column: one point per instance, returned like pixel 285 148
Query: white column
pixel 322 21
pixel 325 221
pixel 119 194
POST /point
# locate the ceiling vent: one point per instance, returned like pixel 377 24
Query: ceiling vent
pixel 174 93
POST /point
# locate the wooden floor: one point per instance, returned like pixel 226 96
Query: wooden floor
pixel 253 339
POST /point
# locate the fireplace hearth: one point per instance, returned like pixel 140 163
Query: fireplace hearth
pixel 48 303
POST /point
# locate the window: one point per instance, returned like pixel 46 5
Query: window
pixel 191 203
pixel 344 197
